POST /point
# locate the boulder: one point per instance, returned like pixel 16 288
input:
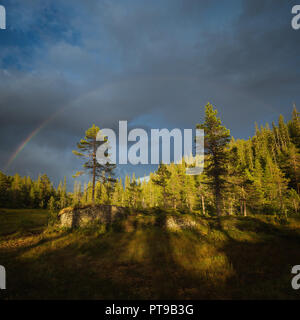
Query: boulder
pixel 80 217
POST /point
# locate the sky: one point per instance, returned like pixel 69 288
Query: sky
pixel 65 65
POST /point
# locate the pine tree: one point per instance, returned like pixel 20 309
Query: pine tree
pixel 104 194
pixel 5 185
pixel 76 194
pixel 127 191
pixel 236 176
pixel 294 128
pixel 118 193
pixel 98 192
pixel 52 207
pixel 160 179
pixel 87 149
pixel 202 192
pixel 294 200
pixel 283 133
pixel 134 192
pixel 216 141
pixel 175 184
pixel 275 186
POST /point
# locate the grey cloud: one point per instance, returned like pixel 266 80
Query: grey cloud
pixel 163 59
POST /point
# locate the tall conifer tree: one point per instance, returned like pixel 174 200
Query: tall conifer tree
pixel 87 149
pixel 216 140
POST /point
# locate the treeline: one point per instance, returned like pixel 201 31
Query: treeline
pixel 23 192
pixel 258 175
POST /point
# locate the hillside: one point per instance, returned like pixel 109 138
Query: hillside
pixel 150 255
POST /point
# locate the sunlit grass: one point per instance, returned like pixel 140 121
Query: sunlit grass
pixel 22 220
pixel 151 256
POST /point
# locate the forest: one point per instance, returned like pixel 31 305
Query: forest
pixel 150 150
pixel 255 176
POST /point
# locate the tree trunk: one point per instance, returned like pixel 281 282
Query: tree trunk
pixel 280 197
pixel 245 208
pixel 224 206
pixel 203 205
pixel 218 198
pixel 295 206
pixel 94 169
pixel 218 206
pixel 296 173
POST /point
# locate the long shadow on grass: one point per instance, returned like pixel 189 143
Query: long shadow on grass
pixel 142 264
pixel 73 270
pixel 164 276
pixel 170 280
pixel 262 268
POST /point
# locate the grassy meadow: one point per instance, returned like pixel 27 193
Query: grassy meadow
pixel 150 255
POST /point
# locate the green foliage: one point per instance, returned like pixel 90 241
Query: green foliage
pixel 241 177
pixel 160 179
pixel 216 141
pixel 53 211
pixel 172 224
pixel 87 150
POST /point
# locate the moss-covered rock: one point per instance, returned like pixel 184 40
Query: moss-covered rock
pixel 80 217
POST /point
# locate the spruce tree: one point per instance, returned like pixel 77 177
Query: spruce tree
pixel 161 178
pixel 294 128
pixel 5 185
pixel 216 140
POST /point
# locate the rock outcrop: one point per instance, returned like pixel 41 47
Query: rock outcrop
pixel 80 217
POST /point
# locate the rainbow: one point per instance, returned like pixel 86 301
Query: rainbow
pixel 29 137
pixel 45 122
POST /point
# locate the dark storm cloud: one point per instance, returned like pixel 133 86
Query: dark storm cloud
pixel 153 61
